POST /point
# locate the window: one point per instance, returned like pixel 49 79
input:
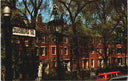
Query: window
pixel 86 63
pixel 53 50
pixel 92 63
pixel 112 50
pixel 125 50
pixel 43 39
pixel 108 61
pixel 100 63
pixel 66 51
pixel 43 51
pixel 119 50
pixel 66 40
pixel 99 42
pixel 109 76
pixel 92 52
pixel 83 64
pixel 118 41
pixel 114 75
pixel 53 39
pixel 107 50
pixel 119 61
pixel 100 50
pixel 113 60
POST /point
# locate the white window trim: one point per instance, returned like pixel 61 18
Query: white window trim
pixel 55 50
pixel 44 50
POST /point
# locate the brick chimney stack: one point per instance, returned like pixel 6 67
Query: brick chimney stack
pixel 39 18
pixel 39 22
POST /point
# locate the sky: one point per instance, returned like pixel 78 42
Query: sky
pixel 45 13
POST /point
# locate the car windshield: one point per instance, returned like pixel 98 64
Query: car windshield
pixel 101 76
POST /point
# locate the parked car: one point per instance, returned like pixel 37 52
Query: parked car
pixel 108 75
pixel 120 78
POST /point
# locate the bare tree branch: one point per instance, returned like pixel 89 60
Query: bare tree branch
pixel 32 2
pixel 27 7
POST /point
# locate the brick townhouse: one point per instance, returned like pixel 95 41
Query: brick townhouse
pixel 48 57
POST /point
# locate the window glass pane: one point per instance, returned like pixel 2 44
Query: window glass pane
pixel 114 75
pixel 119 50
pixel 53 51
pixel 119 61
pixel 66 40
pixel 43 39
pixel 92 63
pixel 108 76
pixel 66 51
pixel 112 50
pixel 42 51
pixel 100 77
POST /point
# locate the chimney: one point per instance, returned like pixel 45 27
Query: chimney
pixel 39 18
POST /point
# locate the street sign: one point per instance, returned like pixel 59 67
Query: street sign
pixel 23 31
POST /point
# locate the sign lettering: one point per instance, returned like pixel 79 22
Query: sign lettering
pixel 23 32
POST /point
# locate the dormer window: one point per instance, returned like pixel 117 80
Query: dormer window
pixel 92 52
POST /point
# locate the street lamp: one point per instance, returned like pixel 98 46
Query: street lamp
pixel 57 42
pixel 7 36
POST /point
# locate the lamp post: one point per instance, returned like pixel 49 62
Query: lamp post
pixel 7 36
pixel 57 42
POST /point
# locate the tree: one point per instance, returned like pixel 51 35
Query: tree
pixel 31 13
pixel 29 10
pixel 112 18
pixel 74 8
pixel 21 9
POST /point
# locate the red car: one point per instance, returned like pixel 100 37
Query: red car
pixel 108 75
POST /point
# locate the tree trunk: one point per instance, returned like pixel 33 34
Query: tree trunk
pixel 105 53
pixel 76 49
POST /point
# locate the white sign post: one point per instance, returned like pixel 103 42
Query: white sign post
pixel 23 32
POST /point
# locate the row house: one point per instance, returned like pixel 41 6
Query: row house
pixel 116 55
pixel 47 45
pixel 48 49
